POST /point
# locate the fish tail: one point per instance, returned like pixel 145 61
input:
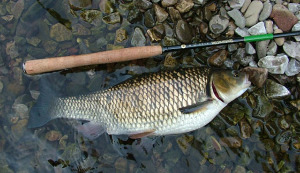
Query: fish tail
pixel 40 113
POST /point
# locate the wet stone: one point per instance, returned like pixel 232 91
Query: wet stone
pixel 257 76
pixel 121 165
pixel 72 153
pixel 174 14
pixel 144 4
pixel 149 18
pixel 112 18
pixel 184 143
pixel 239 169
pixel 293 68
pixel 170 61
pixel 218 24
pixel 50 46
pixel 183 31
pixel 79 29
pixel 53 135
pixel 60 33
pixel 250 49
pixel 159 30
pixel 160 13
pixel 138 38
pixel 236 3
pixel 263 106
pixel 275 90
pixel 79 4
pixel 184 6
pixel 232 142
pixel 153 36
pixel 245 129
pixel 134 15
pixel 121 35
pixel 12 50
pixel 167 3
pixel 275 65
pixel 292 49
pixel 170 41
pixel 34 41
pixel 19 129
pixel 283 18
pixel 1 86
pixel 90 15
pixel 266 145
pixel 218 58
pixel 284 137
pixel 232 115
pixel 106 6
pixel 238 18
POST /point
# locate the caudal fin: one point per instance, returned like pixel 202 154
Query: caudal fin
pixel 40 113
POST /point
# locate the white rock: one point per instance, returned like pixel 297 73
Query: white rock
pixel 294 7
pixel 250 49
pixel 292 49
pixel 236 3
pixel 275 65
pixel 242 32
pixel 275 90
pixel 296 27
pixel 238 18
pixel 258 29
pixel 293 68
pixel 272 48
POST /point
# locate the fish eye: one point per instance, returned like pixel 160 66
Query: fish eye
pixel 235 73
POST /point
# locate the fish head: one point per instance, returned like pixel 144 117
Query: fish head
pixel 227 85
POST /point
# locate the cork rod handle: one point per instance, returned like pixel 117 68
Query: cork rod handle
pixel 59 63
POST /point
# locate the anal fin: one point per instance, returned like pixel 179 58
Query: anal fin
pixel 142 134
pixel 90 130
pixel 195 107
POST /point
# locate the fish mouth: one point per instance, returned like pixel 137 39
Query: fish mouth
pixel 247 81
pixel 216 92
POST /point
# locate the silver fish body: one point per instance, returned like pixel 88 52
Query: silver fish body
pixel 162 103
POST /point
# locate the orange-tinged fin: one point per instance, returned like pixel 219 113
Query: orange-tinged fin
pixel 143 134
pixel 195 107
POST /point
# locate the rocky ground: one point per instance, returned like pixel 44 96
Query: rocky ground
pixel 259 132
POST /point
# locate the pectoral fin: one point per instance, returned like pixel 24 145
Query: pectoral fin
pixel 142 134
pixel 195 107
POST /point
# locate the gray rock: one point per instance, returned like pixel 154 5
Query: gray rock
pixel 292 49
pixel 183 31
pixel 60 33
pixel 294 7
pixel 266 11
pixel 242 32
pixel 112 18
pixel 274 64
pixel 238 55
pixel 258 29
pixel 272 48
pixel 50 46
pixel 238 18
pixel 262 48
pixel 293 68
pixel 253 64
pixel 218 24
pixel 79 29
pixel 138 38
pixel 250 49
pixel 245 6
pixel 18 9
pixel 253 12
pixel 236 3
pixel 275 90
pixel 228 63
pixel 296 27
pixel 144 4
pixel 232 47
pixel 246 60
pixel 167 3
pixel 239 169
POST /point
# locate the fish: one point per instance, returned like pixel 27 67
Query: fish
pixel 151 104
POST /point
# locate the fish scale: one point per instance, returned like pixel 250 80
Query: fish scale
pixel 152 101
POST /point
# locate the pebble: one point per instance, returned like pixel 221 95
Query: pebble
pixel 274 64
pixel 1 86
pixel 279 41
pixel 218 58
pixel 149 18
pixel 112 18
pixel 18 9
pixel 184 6
pixel 121 165
pixel 218 24
pixel 232 47
pixel 275 90
pixel 19 129
pixel 245 129
pixel 250 49
pixel 12 50
pixel 167 3
pixel 266 11
pixel 292 49
pixel 245 6
pixel 257 76
pixel 121 35
pixel 239 169
pixel 138 38
pixel 60 33
pixel 144 4
pixel 283 18
pixel 242 32
pixel 160 13
pixel 293 68
pixel 183 31
pixel 79 29
pixel 296 27
pixel 238 17
pixel 232 142
pixel 53 135
pixel 174 14
pixel 294 7
pixel 253 12
pixel 269 26
pixel 258 29
pixel 245 61
pixel 236 3
pixel 272 48
pixel 262 48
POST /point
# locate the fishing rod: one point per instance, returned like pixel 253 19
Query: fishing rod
pixel 38 66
